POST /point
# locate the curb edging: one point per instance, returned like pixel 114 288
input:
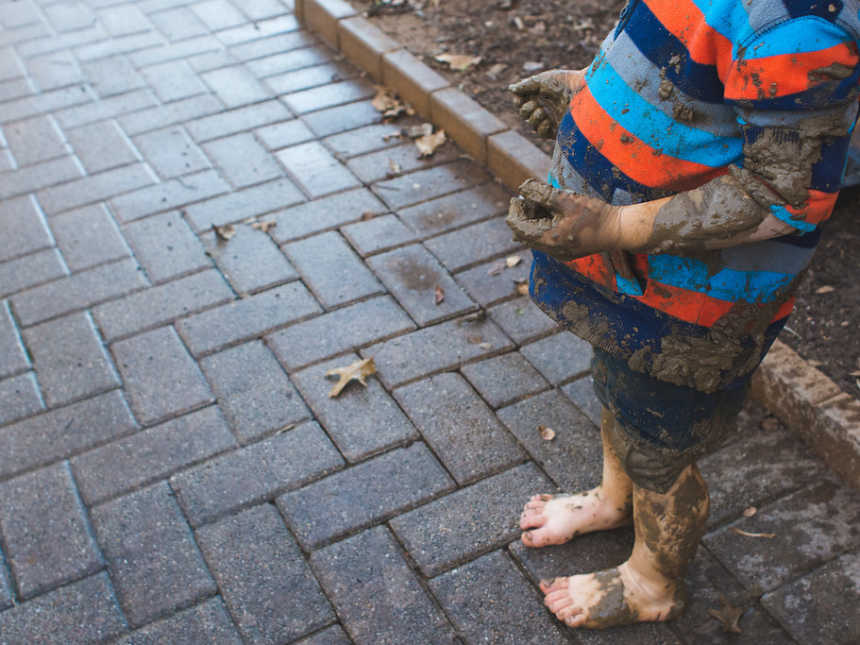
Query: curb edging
pixel 801 396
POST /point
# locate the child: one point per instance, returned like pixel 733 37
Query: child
pixel 695 159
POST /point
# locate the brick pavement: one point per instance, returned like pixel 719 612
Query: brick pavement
pixel 171 469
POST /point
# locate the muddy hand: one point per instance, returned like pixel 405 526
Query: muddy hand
pixel 543 99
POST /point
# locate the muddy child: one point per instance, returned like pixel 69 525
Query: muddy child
pixel 695 160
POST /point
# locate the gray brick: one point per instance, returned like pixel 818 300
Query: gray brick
pixel 19 398
pixel 248 318
pixel 242 204
pixel 338 331
pixel 163 304
pixel 259 29
pixel 362 421
pixel 274 45
pixel 175 51
pixel 290 61
pixel 78 291
pixel 174 113
pixel 761 466
pixel 474 244
pixel 30 270
pixel 95 188
pixel 367 139
pixel 35 509
pixel 491 282
pixel 250 260
pixel 363 495
pixel 255 473
pixel 55 70
pixel 83 611
pixel 63 432
pixel 253 390
pixel 441 407
pixel 102 146
pixel 331 269
pixel 236 86
pixel 113 76
pixel 171 153
pixel 5 589
pixel 316 170
pixel 70 16
pixel 173 81
pixel 178 24
pixel 453 211
pixel 108 108
pixel 168 195
pixel 10 64
pixel 476 519
pixel 166 246
pixel 330 95
pixel 120 45
pixel 44 102
pixel 309 77
pixel 378 234
pixel 239 120
pixel 34 140
pixel 24 228
pixel 811 527
pixel 490 601
pixel 559 357
pixel 160 377
pixel 6 161
pixel 325 213
pixel 581 392
pixel 153 560
pixel 18 15
pixel 338 119
pixel 243 161
pixel 38 44
pixel 20 87
pixel 33 178
pixel 153 454
pixel 88 237
pixel 412 275
pixel 266 9
pixel 334 635
pixel 207 61
pixel 393 607
pixel 13 357
pixel 281 135
pixel 521 319
pixel 218 14
pixel 434 349
pixel 573 459
pixel 504 379
pixel 427 184
pixel 260 571
pixel 70 359
pixel 385 164
pixel 123 20
pixel 205 623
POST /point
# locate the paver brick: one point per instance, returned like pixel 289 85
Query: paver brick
pixel 322 16
pixel 102 146
pixel 35 510
pixel 173 81
pixel 19 397
pixel 559 357
pixel 248 318
pixel 123 20
pixel 63 432
pixel 465 121
pixel 364 43
pixel 242 204
pixel 24 228
pixel 166 246
pixel 393 607
pixel 334 635
pixel 162 116
pixel 316 170
pixel 273 45
pixel 309 77
pixel 208 61
pixel 810 527
pixel 581 393
pixel 95 188
pixel 412 79
pixel 151 455
pixel 83 611
pixel 88 237
pixel 113 76
pixel 5 588
pixel 378 234
pixel 175 51
pixel 490 601
pixel 434 349
pixel 15 89
pixel 339 119
pixel 10 64
pixel 242 160
pixel 262 9
pixel 364 494
pixel 474 244
pixel 253 390
pixel 504 379
pixel 327 96
pixel 171 152
pixel 250 260
pixel 30 270
pixel 108 108
pixel 369 138
pixel 151 554
pixel 426 184
pixel 45 102
pixel 77 291
pixel 70 359
pixel 208 622
pixel 290 61
pixel 331 269
pixel 384 164
pixel 328 212
pixel 239 120
pixel 362 421
pixel 255 473
pixel 70 16
pixel 13 357
pixel 281 135
pixel 33 178
pixel 168 195
pixel 521 319
pixel 258 29
pixel 218 14
pixel 493 281
pixel 130 44
pixel 459 427
pixel 235 86
pixel 513 158
pixel 260 571
pixel 178 23
pixel 470 521
pixel 34 140
pixel 413 276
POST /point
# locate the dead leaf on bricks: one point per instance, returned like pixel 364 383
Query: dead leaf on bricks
pixel 224 233
pixel 358 371
pixel 728 615
pixel 429 144
pixel 547 434
pixel 394 168
pixel 417 131
pixel 387 102
pixel 265 227
pixel 439 295
pixel 761 536
pixel 512 261
pixel 459 62
pixel 523 288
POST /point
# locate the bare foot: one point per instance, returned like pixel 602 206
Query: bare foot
pixel 555 519
pixel 613 597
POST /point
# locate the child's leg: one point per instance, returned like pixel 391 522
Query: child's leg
pixel 549 519
pixel 649 586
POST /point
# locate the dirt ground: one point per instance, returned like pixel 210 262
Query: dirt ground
pixel 517 38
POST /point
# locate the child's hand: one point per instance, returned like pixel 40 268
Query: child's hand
pixel 543 99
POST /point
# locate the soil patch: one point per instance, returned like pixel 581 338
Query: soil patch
pixel 515 39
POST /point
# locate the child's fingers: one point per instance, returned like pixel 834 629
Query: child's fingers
pixel 527 108
pixel 530 85
pixel 540 192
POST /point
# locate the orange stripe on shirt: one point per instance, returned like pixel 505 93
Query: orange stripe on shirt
pixel 817 209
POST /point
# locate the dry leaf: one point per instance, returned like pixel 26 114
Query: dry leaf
pixel 393 167
pixel 367 215
pixel 547 434
pixel 439 295
pixel 825 289
pixel 761 536
pixel 224 233
pixel 417 131
pixel 728 615
pixel 459 62
pixel 513 261
pixel 486 346
pixel 387 102
pixel 496 268
pixel 523 288
pixel 358 371
pixel 428 144
pixel 264 226
pixel 749 512
pixel 474 339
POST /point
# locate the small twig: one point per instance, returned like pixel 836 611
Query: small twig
pixel 765 536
